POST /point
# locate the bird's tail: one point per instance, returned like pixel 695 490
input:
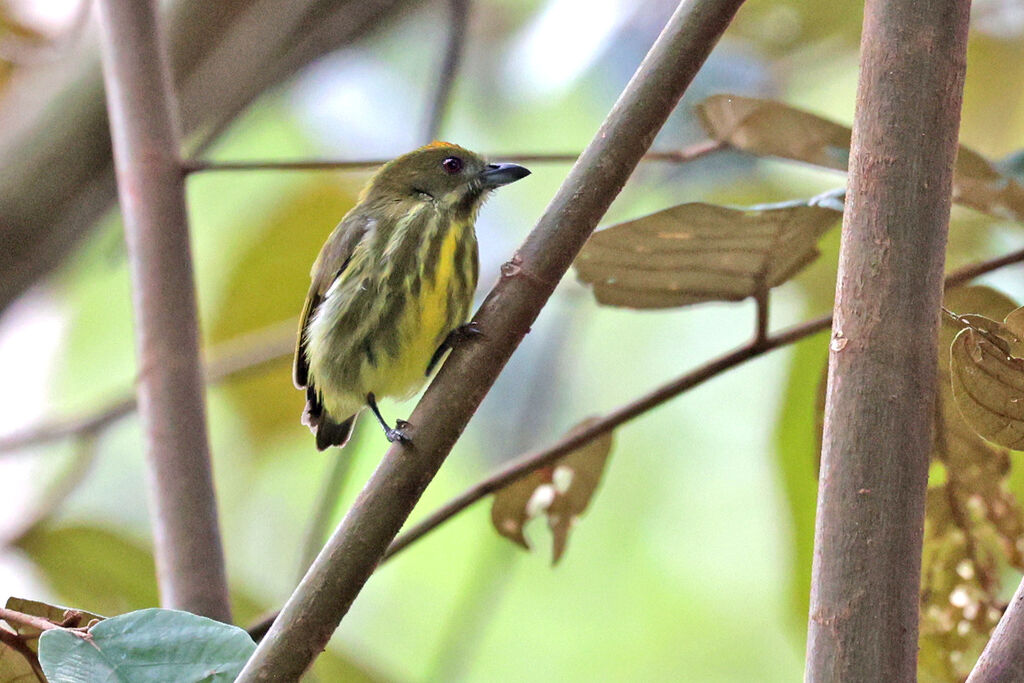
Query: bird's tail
pixel 328 432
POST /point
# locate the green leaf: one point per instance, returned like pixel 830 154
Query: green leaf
pixel 561 491
pixel 693 253
pixel 767 128
pixel 148 645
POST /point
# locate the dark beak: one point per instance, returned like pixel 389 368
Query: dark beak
pixel 496 175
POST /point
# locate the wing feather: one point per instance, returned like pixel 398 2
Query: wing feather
pixel 333 259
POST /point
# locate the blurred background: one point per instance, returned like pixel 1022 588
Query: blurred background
pixel 693 560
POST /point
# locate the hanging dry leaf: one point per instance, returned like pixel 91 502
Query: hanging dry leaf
pixel 977 183
pixel 988 382
pixel 694 253
pixel 767 128
pixel 561 492
pixel 973 525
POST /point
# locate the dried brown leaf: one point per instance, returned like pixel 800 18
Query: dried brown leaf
pixel 561 491
pixel 988 383
pixel 697 252
pixel 973 523
pixel 768 128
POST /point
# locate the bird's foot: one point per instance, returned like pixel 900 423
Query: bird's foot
pixel 459 335
pixel 398 433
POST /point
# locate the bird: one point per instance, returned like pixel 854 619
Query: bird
pixel 392 287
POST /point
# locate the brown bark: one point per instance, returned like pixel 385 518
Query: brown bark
pixel 189 557
pixel 882 367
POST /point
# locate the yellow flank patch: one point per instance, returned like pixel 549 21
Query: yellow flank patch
pixel 425 322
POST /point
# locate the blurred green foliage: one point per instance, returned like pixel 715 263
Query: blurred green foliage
pixel 693 558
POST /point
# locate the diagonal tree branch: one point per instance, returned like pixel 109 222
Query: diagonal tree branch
pixel 1002 660
pixel 863 622
pixel 189 558
pixel 338 574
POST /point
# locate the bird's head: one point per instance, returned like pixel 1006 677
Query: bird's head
pixel 443 173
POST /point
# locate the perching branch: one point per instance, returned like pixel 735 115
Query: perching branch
pixel 189 558
pixel 1002 660
pixel 336 577
pixel 458 20
pixel 882 368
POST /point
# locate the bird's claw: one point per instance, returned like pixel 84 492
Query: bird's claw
pixel 398 433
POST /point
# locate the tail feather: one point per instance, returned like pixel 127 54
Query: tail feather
pixel 328 432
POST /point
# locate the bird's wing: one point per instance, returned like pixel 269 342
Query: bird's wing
pixel 331 263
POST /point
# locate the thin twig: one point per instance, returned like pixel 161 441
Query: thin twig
pixel 761 298
pixel 187 544
pixel 30 620
pixel 245 353
pixel 458 20
pixel 679 156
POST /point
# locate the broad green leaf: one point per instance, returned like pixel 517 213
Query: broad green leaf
pixel 148 645
pixel 693 253
pixel 768 128
pixel 561 491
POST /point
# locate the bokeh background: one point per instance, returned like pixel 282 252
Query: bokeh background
pixel 693 560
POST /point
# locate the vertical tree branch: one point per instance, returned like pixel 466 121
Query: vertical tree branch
pixel 882 367
pixel 338 574
pixel 190 563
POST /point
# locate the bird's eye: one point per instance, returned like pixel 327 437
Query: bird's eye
pixel 452 165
